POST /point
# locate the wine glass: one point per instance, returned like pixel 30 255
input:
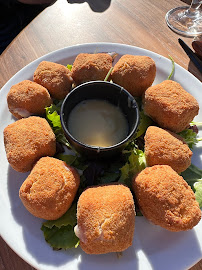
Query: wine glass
pixel 186 21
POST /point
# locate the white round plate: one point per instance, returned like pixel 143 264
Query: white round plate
pixel 153 247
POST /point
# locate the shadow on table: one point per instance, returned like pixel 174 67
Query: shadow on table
pixel 188 2
pixel 153 247
pixel 96 6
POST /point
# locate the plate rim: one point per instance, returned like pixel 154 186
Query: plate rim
pixel 75 47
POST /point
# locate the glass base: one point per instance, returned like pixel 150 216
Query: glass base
pixel 185 22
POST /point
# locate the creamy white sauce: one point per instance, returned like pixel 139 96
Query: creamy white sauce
pixel 76 230
pixel 22 112
pixel 78 233
pixel 66 168
pixel 97 123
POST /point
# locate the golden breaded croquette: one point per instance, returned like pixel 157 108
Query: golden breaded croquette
pixel 169 105
pixel 105 219
pixel 91 67
pixel 27 98
pixel 54 77
pixel 27 140
pixel 135 73
pixel 49 190
pixel 163 147
pixel 166 199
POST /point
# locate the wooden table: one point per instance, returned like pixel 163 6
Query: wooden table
pixel 134 22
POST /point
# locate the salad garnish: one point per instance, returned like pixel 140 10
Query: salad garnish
pixel 59 233
pixel 173 68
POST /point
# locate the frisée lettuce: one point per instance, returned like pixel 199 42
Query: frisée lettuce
pixel 145 122
pixel 193 176
pixel 136 163
pixel 53 119
pixel 190 137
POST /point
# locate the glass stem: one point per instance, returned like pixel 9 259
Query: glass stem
pixel 195 4
pixel 193 10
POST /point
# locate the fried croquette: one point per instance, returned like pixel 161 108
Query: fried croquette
pixel 27 98
pixel 166 199
pixel 169 105
pixel 135 73
pixel 54 77
pixel 105 219
pixel 27 140
pixel 49 190
pixel 91 67
pixel 164 147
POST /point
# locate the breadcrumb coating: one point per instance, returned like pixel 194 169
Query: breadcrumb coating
pixel 164 147
pixel 49 190
pixel 27 98
pixel 54 77
pixel 106 219
pixel 169 105
pixel 27 140
pixel 91 67
pixel 166 199
pixel 135 73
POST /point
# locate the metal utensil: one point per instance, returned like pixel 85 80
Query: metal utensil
pixel 193 57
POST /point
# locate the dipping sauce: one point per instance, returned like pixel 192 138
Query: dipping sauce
pixel 97 123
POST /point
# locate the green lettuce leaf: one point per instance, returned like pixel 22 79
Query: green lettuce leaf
pixel 189 136
pixel 69 67
pixel 53 119
pixel 145 122
pixel 108 177
pixel 58 238
pixel 108 74
pixel 69 159
pixel 60 233
pixel 136 163
pixel 193 176
pixel 111 173
pixel 173 68
pixel 74 160
pixel 198 191
pixel 69 218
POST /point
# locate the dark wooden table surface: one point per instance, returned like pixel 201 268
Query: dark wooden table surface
pixel 134 22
